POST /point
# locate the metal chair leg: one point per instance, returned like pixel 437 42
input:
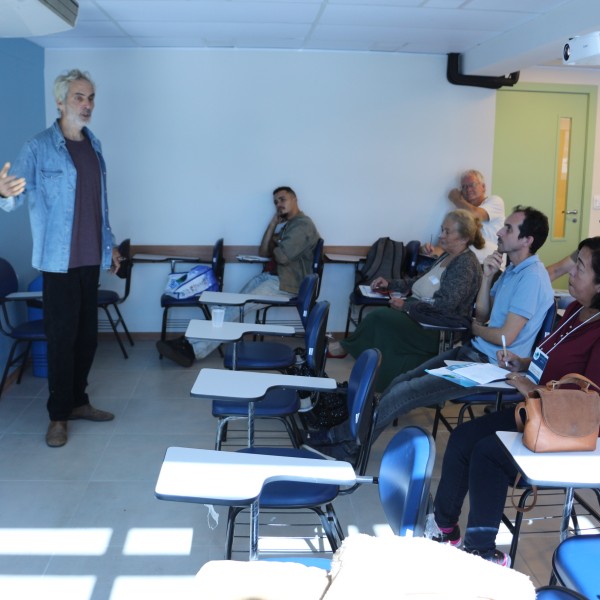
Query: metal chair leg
pixel 122 322
pixel 25 356
pixel 163 329
pixel 114 328
pixel 11 360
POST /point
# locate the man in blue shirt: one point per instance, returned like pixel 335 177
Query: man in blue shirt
pixel 514 308
pixel 62 175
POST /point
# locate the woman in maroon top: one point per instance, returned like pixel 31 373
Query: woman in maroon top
pixel 474 461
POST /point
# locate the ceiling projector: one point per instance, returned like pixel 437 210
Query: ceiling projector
pixel 582 50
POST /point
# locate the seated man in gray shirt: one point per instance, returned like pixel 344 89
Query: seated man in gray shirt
pixel 289 240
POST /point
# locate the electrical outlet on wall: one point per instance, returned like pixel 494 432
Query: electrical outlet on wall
pixel 596 200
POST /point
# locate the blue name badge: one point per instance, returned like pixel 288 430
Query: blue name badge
pixel 537 365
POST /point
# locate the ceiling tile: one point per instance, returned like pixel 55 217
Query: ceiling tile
pixel 421 26
pixel 212 11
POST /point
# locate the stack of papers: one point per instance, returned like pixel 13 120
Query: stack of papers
pixel 470 374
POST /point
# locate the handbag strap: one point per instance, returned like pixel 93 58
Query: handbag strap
pixel 520 423
pixel 583 382
pixel 512 496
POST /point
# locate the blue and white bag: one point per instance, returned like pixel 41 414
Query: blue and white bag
pixel 192 283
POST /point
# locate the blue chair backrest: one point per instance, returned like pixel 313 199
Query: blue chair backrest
pixel 361 388
pixel 575 563
pixel 316 338
pixel 547 324
pixel 404 480
pixel 8 279
pixel 318 257
pixel 218 262
pixel 307 296
pixel 411 256
pixel 318 263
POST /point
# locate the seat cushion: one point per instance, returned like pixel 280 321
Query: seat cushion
pixel 293 494
pixel 107 297
pixel 260 355
pixel 30 330
pixel 166 300
pixel 275 404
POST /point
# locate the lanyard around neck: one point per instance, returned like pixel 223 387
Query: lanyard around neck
pixel 564 337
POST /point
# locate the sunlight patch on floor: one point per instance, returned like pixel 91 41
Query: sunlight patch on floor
pixel 158 541
pixel 52 542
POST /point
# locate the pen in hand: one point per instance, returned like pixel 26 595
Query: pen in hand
pixel 504 351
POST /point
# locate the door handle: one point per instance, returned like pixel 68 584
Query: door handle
pixel 570 212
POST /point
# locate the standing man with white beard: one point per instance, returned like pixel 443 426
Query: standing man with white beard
pixel 62 175
pixel 472 196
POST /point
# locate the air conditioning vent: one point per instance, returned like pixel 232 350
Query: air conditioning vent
pixel 28 18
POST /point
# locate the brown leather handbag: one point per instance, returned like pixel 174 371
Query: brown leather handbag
pixel 561 419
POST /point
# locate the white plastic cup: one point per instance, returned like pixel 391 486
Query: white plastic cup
pixel 218 316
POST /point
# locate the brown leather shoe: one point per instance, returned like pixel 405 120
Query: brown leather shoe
pixel 89 413
pixel 56 436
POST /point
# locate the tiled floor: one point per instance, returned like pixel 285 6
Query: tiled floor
pixel 82 522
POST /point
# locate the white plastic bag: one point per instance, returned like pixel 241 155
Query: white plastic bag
pixel 191 283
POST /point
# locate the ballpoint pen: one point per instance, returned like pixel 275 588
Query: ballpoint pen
pixel 504 350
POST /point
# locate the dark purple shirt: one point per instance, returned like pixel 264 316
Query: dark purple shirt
pixel 86 238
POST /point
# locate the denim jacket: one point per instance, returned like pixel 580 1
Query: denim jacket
pixel 51 177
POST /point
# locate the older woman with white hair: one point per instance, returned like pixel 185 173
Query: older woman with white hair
pixel 448 288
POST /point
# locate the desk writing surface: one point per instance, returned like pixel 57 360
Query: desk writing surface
pixel 559 469
pixel 157 258
pixel 232 331
pixel 237 478
pixel 223 384
pixel 236 299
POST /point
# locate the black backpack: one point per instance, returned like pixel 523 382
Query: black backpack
pixel 385 258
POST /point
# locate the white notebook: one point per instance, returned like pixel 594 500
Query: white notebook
pixel 366 291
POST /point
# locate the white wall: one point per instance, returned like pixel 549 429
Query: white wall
pixel 196 140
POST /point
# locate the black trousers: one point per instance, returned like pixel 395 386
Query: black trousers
pixel 71 326
pixel 475 463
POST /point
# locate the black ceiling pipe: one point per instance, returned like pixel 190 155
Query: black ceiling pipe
pixel 457 78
